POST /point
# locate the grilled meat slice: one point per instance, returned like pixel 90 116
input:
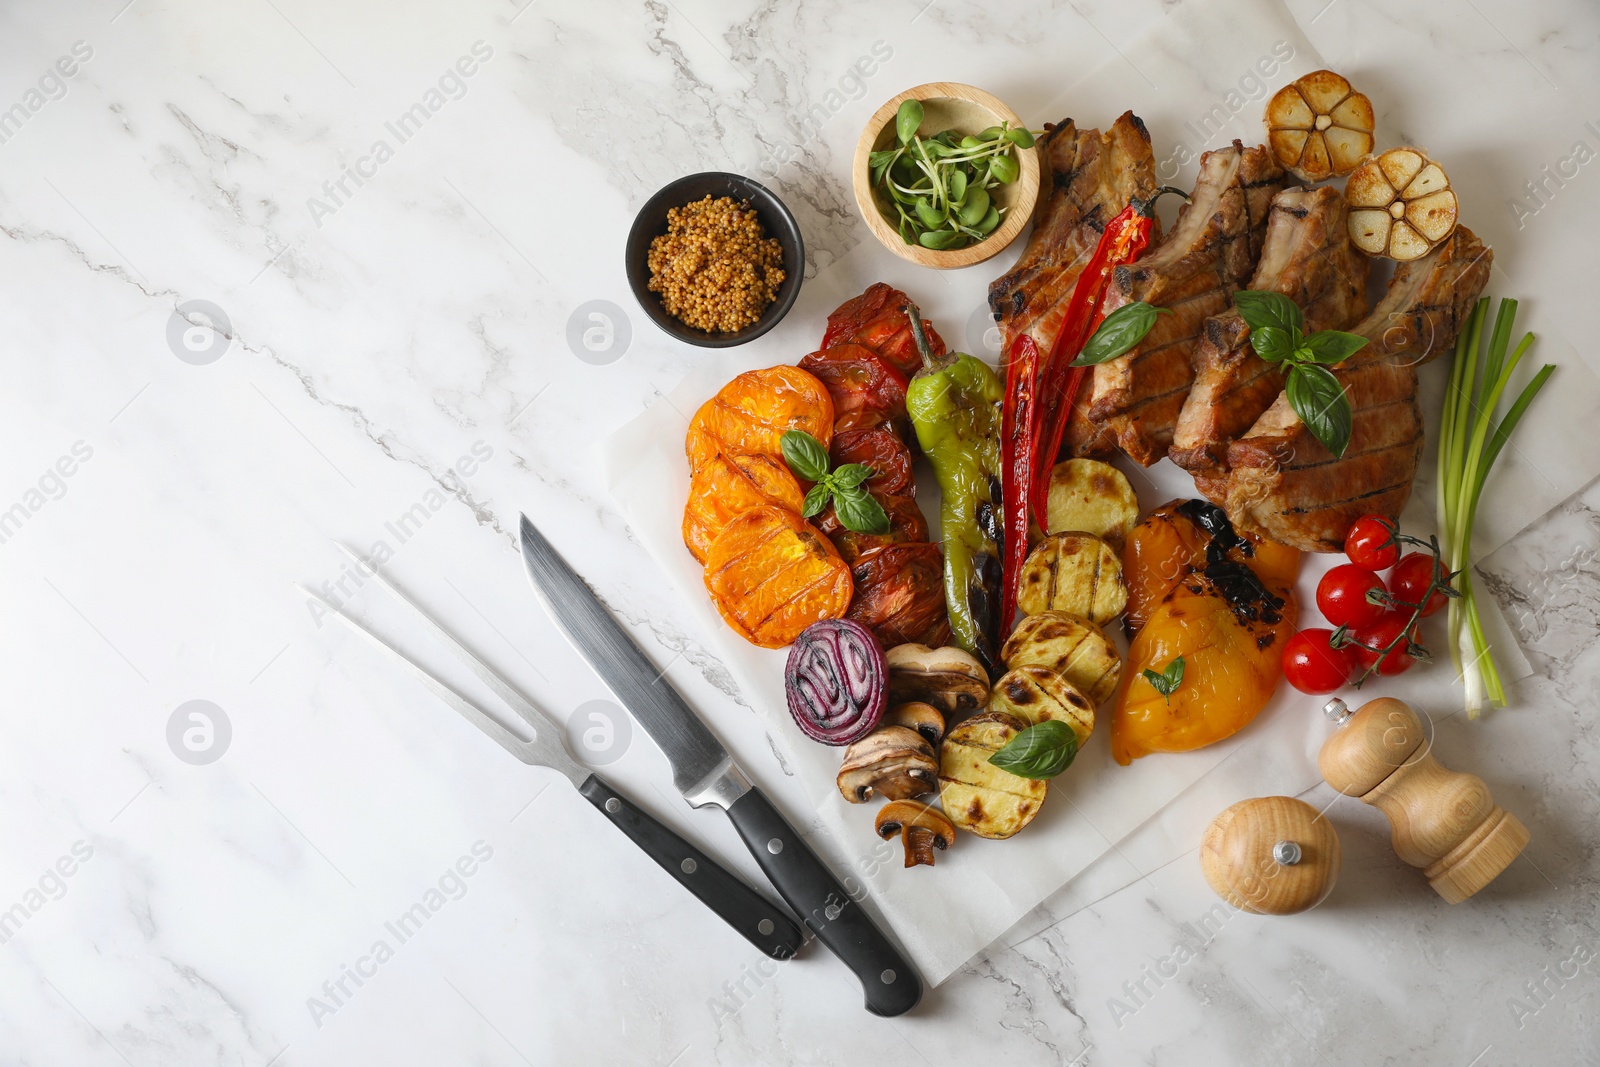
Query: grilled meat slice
pixel 1307 257
pixel 1092 176
pixel 1209 254
pixel 1282 483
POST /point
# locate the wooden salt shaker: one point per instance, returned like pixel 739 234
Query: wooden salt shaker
pixel 1271 856
pixel 1443 821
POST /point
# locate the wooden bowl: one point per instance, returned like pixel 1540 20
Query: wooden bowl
pixel 946 105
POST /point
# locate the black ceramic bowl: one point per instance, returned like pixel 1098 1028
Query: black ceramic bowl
pixel 651 222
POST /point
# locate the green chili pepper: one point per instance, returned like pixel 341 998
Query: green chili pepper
pixel 954 401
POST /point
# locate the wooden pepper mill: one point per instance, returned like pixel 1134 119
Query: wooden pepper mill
pixel 1443 821
pixel 1271 856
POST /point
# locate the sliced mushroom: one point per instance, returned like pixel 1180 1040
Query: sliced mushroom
pixel 925 719
pixel 922 828
pixel 895 761
pixel 949 678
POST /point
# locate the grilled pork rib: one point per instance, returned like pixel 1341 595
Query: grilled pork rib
pixel 1092 176
pixel 1284 484
pixel 1209 254
pixel 1307 256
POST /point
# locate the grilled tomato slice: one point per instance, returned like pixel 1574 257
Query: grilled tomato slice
pixel 906 524
pixel 899 595
pixel 866 390
pixel 751 413
pixel 771 575
pixel 877 320
pixel 725 487
pixel 881 449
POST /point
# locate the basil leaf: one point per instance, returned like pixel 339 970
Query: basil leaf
pixel 1043 750
pixel 1330 346
pixel 816 500
pixel 1320 401
pixel 860 511
pixel 1260 308
pixel 1121 330
pixel 805 455
pixel 1166 682
pixel 907 120
pixel 1272 344
pixel 850 475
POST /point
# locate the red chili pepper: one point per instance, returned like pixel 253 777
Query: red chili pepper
pixel 1124 240
pixel 1018 427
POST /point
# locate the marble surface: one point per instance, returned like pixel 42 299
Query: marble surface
pixel 394 369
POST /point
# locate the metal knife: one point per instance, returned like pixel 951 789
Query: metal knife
pixel 760 922
pixel 706 775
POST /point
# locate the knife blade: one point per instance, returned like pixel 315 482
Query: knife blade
pixel 706 775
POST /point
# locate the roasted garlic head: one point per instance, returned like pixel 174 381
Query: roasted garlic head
pixel 1401 205
pixel 1319 127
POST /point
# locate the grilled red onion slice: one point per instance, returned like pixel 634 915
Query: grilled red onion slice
pixel 836 681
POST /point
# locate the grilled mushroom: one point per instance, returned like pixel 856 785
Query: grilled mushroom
pixel 949 678
pixel 922 828
pixel 925 719
pixel 895 761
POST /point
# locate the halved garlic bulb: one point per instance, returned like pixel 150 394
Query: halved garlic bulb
pixel 1401 205
pixel 1319 127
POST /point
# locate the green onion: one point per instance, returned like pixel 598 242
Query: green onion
pixel 1470 441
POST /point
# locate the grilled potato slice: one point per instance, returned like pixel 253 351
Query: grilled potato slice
pixel 1088 496
pixel 1077 573
pixel 1070 646
pixel 1034 694
pixel 977 796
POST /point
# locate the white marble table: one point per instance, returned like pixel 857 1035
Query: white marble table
pixel 396 369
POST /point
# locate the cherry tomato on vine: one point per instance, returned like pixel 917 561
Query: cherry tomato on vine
pixel 1311 665
pixel 1379 635
pixel 1411 578
pixel 1370 543
pixel 1342 595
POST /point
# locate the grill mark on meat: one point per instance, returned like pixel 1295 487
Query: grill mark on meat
pixel 1307 257
pixel 1209 254
pixel 1285 485
pixel 1092 177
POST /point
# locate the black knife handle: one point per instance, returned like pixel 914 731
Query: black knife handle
pixel 763 924
pixel 890 983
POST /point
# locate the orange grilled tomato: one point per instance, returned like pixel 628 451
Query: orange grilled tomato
pixel 725 487
pixel 1230 629
pixel 771 574
pixel 751 413
pixel 1172 541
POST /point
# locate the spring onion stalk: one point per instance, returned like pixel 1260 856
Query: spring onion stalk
pixel 1470 440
